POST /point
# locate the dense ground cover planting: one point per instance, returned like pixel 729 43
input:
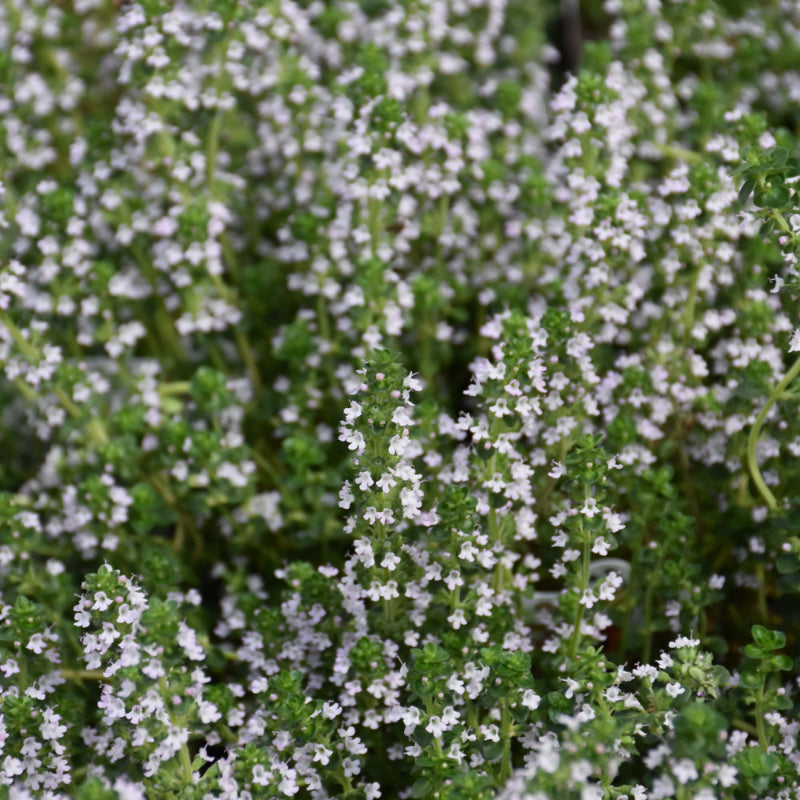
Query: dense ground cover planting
pixel 398 400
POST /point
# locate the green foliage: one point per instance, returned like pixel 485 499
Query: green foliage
pixel 387 412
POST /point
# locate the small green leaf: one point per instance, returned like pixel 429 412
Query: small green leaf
pixel 767 639
pixel 781 662
pixel 721 675
pixel 789 583
pixel 752 154
pixel 752 651
pixel 774 196
pixel 750 679
pixel 788 563
pixel 756 766
pixel 767 227
pixel 422 788
pixel 746 190
pixel 776 157
pixel 492 750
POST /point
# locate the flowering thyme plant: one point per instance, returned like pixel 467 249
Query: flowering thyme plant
pixel 398 400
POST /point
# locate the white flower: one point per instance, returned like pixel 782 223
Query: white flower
pixel 600 546
pixel 613 520
pixel 455 684
pixel 386 482
pixel 37 643
pixel 794 342
pixel 364 480
pixel 356 442
pixel 674 689
pixel 450 717
pixel 260 775
pixel 457 619
pixel 468 552
pixel 645 671
pixel 609 586
pixel 411 500
pixel 455 752
pixel 412 383
pixel 187 639
pixel 51 728
pixel 454 580
pixel 101 601
pixel 726 775
pixel 490 732
pixel 207 712
pixel 589 507
pixel 685 770
pixel 351 767
pixel 684 641
pixel 530 699
pixel 483 607
pixel 322 754
pixel 390 561
pixel 353 411
pixel 402 417
pixel 411 717
pixel 289 783
pixel 372 791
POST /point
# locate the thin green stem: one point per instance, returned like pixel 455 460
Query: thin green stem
pixel 494 528
pixel 389 608
pixel 760 727
pixel 28 350
pixel 84 675
pixel 374 223
pixel 691 302
pixel 26 390
pixel 168 334
pixel 177 387
pixel 160 485
pixel 230 256
pixel 95 428
pixel 267 467
pixel 584 585
pixel 229 295
pixel 180 536
pixel 344 782
pixel 324 327
pixel 752 463
pixel 741 725
pixel 66 401
pixel 212 143
pixel 762 593
pixel 680 153
pixel 506 734
pixel 249 361
pixel 183 754
pixel 647 625
pixel 212 148
pixel 427 366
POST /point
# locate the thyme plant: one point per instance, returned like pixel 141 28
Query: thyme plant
pixel 397 402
